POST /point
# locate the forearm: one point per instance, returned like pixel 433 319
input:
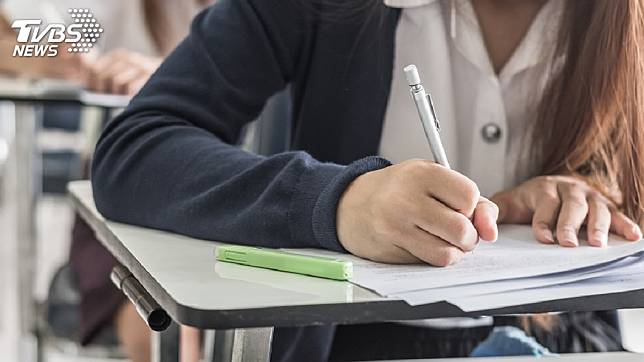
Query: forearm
pixel 162 173
pixel 168 162
pixel 8 64
pixel 5 24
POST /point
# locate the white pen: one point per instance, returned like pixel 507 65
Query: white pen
pixel 427 114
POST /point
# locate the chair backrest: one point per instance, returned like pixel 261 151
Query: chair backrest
pixel 271 132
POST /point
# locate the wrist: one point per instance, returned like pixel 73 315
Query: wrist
pixel 326 207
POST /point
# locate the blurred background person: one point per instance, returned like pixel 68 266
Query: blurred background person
pixel 137 36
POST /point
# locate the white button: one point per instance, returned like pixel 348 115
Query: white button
pixel 491 133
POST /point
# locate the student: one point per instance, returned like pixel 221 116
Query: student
pixel 541 109
pixel 123 58
pixel 158 26
pixel 138 34
pixel 64 66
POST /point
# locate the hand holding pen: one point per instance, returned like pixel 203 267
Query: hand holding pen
pixel 416 210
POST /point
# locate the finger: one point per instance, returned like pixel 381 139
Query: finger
pixel 453 227
pixel 117 67
pixel 105 68
pixel 430 249
pixel 98 80
pixel 451 188
pixel 103 62
pixel 545 216
pixel 599 220
pixel 623 226
pixel 135 86
pixel 572 214
pixel 97 69
pixel 121 82
pixel 92 79
pixel 485 218
pixel 397 255
pixel 112 71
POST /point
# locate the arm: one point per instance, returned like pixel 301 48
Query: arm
pixel 7 42
pixel 64 65
pixel 121 71
pixel 167 161
pixel 5 26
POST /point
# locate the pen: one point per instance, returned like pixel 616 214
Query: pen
pixel 427 114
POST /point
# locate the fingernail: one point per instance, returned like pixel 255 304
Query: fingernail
pixel 547 235
pixel 569 239
pixel 637 232
pixel 601 237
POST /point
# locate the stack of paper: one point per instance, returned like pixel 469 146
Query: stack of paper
pixel 514 270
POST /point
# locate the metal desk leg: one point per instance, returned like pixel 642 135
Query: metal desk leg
pixel 223 348
pixel 251 345
pixel 23 188
pixel 243 345
pixel 165 345
pixel 208 345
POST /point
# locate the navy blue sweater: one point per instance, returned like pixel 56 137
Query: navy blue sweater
pixel 168 162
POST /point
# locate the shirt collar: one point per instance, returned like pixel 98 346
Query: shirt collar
pixel 535 48
pixel 407 3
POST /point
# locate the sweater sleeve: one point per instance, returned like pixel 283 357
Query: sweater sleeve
pixel 168 162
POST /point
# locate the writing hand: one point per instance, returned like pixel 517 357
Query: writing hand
pixel 414 211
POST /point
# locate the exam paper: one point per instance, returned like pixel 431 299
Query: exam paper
pixel 426 296
pixel 516 254
pixel 621 280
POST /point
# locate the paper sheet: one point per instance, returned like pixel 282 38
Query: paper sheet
pixel 515 270
pixel 419 297
pixel 621 280
pixel 516 254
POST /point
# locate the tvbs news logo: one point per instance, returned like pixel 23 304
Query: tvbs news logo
pixel 38 40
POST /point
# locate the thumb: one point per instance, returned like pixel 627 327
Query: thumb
pixel 484 219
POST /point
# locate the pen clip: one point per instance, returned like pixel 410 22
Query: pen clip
pixel 431 106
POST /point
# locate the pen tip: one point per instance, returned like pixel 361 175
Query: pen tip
pixel 411 73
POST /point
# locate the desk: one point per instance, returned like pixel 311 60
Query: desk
pixel 182 275
pixel 573 357
pixel 25 90
pixel 22 179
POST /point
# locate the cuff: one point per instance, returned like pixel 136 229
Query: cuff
pixel 324 211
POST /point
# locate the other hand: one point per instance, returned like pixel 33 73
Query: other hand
pixel 414 211
pixel 563 204
pixel 121 72
pixel 73 67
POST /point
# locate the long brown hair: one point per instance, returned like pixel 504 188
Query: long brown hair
pixel 590 121
pixel 591 117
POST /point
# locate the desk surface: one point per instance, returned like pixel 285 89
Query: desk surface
pixel 55 91
pixel 182 274
pixel 573 357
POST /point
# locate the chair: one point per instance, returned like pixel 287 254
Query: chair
pixel 271 132
pixel 64 161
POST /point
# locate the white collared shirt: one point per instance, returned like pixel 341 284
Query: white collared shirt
pixel 443 39
pixel 483 116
